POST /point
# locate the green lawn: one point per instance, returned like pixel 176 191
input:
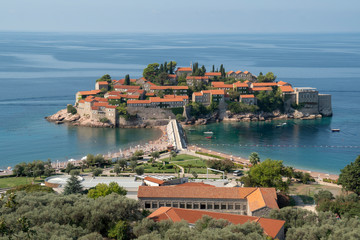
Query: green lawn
pixel 180 157
pixel 16 181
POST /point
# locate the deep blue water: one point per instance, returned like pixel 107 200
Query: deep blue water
pixel 41 72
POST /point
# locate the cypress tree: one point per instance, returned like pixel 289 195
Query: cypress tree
pixel 161 69
pixel 127 79
pixel 165 67
pixel 213 69
pixel 203 70
pixel 221 68
pixel 171 68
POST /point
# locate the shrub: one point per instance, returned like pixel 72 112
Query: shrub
pixel 97 172
pixel 180 117
pixel 71 109
pixel 104 120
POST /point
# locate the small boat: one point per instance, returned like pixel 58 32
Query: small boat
pixel 209 137
pixel 208 132
pixel 279 125
pixel 335 130
pixel 284 124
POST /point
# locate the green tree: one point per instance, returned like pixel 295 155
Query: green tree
pixel 106 78
pixel 127 80
pixel 155 155
pixel 117 169
pixel 195 175
pixel 133 165
pixel 270 101
pixel 97 171
pixel 171 66
pixel 122 164
pixel 139 170
pixel 254 158
pixel 172 154
pixel 323 195
pixel 73 186
pixel 71 109
pixel 349 177
pixel 213 68
pixel 69 167
pixel 269 174
pixel 151 71
pixel 139 153
pixel 75 172
pixel 121 231
pixel 102 190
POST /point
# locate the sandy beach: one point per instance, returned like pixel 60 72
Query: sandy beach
pixel 246 162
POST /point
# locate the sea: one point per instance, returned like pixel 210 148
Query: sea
pixel 41 72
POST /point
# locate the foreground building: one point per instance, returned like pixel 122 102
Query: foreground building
pixel 246 201
pixel 272 227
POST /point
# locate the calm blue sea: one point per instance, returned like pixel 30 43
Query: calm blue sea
pixel 41 72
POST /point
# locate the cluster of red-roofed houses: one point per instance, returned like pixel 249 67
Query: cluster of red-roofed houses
pixel 193 200
pixel 102 102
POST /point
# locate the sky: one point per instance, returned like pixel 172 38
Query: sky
pixel 184 16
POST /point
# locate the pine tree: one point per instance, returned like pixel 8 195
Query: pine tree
pixel 73 186
pixel 127 79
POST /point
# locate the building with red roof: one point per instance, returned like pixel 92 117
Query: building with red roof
pixel 191 80
pixel 169 101
pixel 179 90
pixel 249 99
pixel 183 71
pixel 206 96
pixel 102 85
pixel 272 227
pixel 250 201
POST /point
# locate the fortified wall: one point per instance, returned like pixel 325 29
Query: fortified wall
pixel 147 117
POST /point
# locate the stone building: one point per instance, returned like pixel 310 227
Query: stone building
pixel 245 201
pixel 178 90
pixel 274 228
pixel 205 97
pixel 102 85
pixel 249 99
pixel 169 101
pixel 183 71
pixel 193 80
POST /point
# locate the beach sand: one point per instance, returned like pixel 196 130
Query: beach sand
pixel 246 163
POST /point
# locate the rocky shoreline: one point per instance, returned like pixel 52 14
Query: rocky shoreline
pixel 63 116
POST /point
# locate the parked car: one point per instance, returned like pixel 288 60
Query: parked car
pixel 237 173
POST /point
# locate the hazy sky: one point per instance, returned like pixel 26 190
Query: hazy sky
pixel 199 16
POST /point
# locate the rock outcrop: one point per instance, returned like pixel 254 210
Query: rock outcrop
pixel 63 116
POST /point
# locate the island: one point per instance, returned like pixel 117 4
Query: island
pixel 191 95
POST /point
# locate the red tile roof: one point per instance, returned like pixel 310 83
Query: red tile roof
pixel 169 87
pixel 138 102
pixel 271 227
pixel 221 85
pixel 262 197
pixel 198 93
pixel 154 180
pixel 171 75
pixel 237 72
pixel 126 87
pixel 91 92
pixel 197 77
pixel 264 84
pixel 261 89
pixel 286 89
pixel 217 92
pixel 230 72
pixel 150 94
pixel 240 84
pixel 281 83
pixel 82 101
pixel 184 69
pixel 213 74
pixel 247 96
pixel 122 81
pixel 246 72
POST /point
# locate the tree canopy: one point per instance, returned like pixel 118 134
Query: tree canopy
pixel 73 186
pixel 269 77
pixel 268 173
pixel 349 177
pixel 104 78
pixel 102 190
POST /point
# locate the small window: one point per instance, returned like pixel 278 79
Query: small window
pixel 216 206
pixel 244 207
pixel 237 206
pixel 202 206
pixel 168 204
pixel 188 205
pixel 223 206
pixel 230 206
pixel 175 204
pixel 161 204
pixel 209 206
pixel 147 205
pixel 196 206
pixel 182 205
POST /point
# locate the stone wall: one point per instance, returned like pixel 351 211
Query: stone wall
pixel 325 104
pixel 261 212
pixel 151 113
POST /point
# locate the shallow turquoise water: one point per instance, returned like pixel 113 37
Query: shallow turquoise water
pixel 41 72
